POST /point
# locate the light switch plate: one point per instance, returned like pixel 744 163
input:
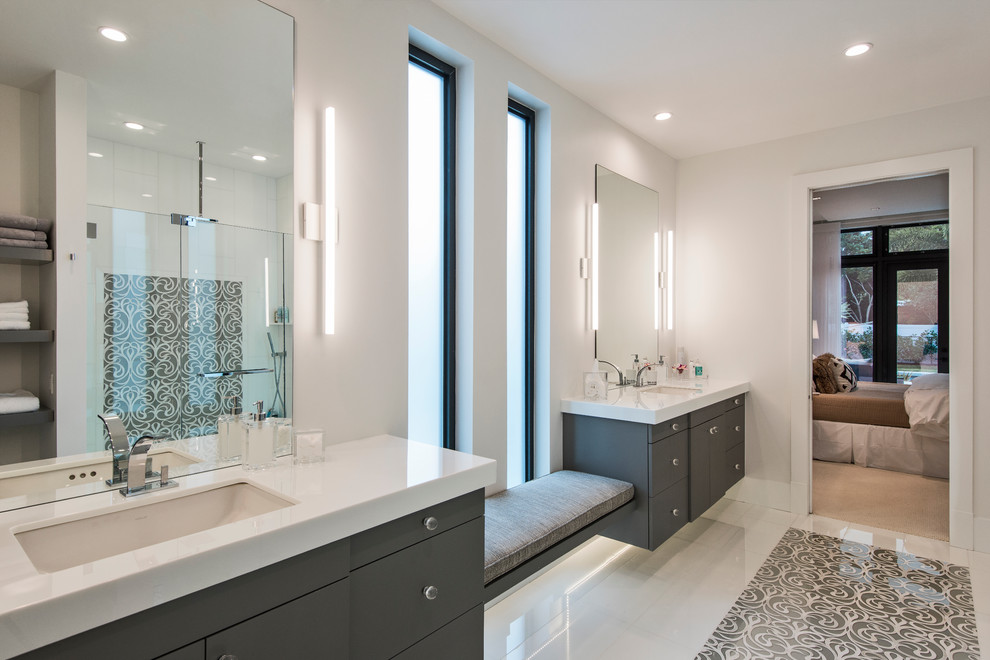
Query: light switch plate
pixel 311 225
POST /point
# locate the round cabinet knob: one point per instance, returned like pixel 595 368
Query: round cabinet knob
pixel 675 427
pixel 713 430
pixel 676 513
pixel 738 467
pixel 676 462
pixel 431 592
pixel 737 401
pixel 738 429
pixel 431 523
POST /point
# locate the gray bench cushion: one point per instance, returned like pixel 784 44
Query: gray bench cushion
pixel 526 520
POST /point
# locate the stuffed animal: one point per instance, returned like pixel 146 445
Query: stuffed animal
pixel 823 374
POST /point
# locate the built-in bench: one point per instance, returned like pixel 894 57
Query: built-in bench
pixel 532 525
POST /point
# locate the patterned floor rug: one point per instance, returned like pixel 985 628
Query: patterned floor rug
pixel 820 597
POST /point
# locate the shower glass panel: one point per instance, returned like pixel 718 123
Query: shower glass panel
pixel 182 318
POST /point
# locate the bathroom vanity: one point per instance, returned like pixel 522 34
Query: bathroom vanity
pixel 375 553
pixel 681 444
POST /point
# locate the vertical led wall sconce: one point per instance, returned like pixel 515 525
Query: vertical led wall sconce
pixel 657 279
pixel 268 304
pixel 670 279
pixel 329 219
pixel 594 266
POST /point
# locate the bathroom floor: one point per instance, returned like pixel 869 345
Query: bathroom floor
pixel 611 600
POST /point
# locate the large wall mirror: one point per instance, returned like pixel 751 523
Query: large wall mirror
pixel 628 221
pixel 180 316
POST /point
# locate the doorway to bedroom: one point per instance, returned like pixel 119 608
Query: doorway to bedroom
pixel 880 362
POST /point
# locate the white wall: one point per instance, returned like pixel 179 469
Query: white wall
pixel 353 55
pixel 734 226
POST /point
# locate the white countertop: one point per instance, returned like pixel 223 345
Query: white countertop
pixel 361 484
pixel 640 404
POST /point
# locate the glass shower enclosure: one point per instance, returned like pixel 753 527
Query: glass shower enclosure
pixel 182 317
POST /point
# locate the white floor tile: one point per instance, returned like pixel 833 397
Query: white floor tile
pixel 614 601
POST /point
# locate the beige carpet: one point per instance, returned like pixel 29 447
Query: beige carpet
pixel 900 502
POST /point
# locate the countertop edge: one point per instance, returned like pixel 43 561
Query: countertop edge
pixel 622 410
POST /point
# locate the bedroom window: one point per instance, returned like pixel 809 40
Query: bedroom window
pixel 895 300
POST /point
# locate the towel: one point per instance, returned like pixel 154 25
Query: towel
pixel 18 401
pixel 22 234
pixel 16 242
pixel 15 221
pixel 15 325
pixel 16 306
pixel 13 316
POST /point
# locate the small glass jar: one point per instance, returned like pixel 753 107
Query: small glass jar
pixel 308 446
pixel 259 441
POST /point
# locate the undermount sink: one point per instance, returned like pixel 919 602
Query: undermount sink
pixel 77 472
pixel 54 545
pixel 672 389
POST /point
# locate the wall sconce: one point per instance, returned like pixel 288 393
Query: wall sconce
pixel 656 284
pixel 594 266
pixel 268 304
pixel 670 279
pixel 329 219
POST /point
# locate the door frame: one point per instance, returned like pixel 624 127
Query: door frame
pixel 959 164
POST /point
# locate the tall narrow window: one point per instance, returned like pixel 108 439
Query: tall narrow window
pixel 520 297
pixel 431 249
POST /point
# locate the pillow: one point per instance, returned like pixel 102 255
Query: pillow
pixel 930 382
pixel 823 374
pixel 845 377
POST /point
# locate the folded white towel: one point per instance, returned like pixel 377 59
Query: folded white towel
pixel 13 316
pixel 15 325
pixel 19 306
pixel 18 401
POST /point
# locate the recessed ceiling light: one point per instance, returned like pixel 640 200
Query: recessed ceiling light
pixel 858 49
pixel 133 125
pixel 94 154
pixel 145 194
pixel 259 157
pixel 662 116
pixel 210 178
pixel 113 34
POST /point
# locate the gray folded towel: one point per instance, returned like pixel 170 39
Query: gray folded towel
pixel 22 234
pixel 15 221
pixel 14 242
pixel 15 325
pixel 14 306
pixel 18 401
pixel 13 316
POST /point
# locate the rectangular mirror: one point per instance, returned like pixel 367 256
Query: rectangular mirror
pixel 628 219
pixel 178 316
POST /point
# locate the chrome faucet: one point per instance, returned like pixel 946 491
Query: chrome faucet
pixel 639 374
pixel 119 444
pixel 139 469
pixel 621 379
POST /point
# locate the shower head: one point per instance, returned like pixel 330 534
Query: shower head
pixel 271 344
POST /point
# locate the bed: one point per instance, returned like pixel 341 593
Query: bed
pixel 886 425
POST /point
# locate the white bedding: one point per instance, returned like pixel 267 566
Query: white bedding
pixel 927 404
pixel 886 447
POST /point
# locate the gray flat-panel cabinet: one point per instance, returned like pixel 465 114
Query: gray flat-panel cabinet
pixel 407 588
pixel 679 467
pixel 652 457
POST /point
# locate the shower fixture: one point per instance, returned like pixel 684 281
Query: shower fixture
pixel 191 220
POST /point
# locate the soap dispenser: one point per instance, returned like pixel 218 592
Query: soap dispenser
pixel 259 440
pixel 230 433
pixel 633 373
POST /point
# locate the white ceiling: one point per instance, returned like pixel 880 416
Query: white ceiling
pixel 738 72
pixel 213 70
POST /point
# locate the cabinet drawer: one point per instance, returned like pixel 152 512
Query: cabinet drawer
pixel 734 402
pixel 464 637
pixel 668 512
pixel 313 626
pixel 735 426
pixel 390 610
pixel 668 462
pixel 195 651
pixel 396 534
pixel 670 427
pixel 735 464
pixel 701 416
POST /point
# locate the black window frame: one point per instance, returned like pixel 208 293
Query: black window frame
pixel 448 73
pixel 885 265
pixel 528 115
